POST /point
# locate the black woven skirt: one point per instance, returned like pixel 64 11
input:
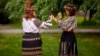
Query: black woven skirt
pixel 31 44
pixel 68 44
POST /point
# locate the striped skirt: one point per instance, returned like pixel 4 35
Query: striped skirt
pixel 68 44
pixel 31 44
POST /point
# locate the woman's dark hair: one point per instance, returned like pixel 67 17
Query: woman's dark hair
pixel 71 8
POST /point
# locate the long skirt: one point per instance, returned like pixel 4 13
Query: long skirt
pixel 31 44
pixel 68 44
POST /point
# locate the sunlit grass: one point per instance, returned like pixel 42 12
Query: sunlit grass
pixel 79 19
pixel 10 45
pixel 88 44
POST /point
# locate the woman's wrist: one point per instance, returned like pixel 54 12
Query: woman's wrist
pixel 60 18
pixel 55 19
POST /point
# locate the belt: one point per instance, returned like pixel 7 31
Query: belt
pixel 68 31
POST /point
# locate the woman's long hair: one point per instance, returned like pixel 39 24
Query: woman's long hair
pixel 29 13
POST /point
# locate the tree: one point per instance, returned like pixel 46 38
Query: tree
pixel 44 7
pixel 93 6
pixel 15 8
pixel 3 13
pixel 97 7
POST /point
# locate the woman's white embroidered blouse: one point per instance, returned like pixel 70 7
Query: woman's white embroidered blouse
pixel 32 25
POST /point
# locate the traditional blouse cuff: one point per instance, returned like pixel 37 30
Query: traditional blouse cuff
pixel 46 24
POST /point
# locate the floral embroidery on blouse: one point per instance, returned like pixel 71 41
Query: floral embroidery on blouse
pixel 68 24
pixel 41 24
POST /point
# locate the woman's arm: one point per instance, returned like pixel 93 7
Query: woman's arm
pixel 41 24
pixel 68 24
pixel 46 24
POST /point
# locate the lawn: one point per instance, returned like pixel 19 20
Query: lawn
pixel 88 44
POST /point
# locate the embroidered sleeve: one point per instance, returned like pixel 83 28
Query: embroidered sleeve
pixel 41 24
pixel 37 22
pixel 66 24
pixel 46 24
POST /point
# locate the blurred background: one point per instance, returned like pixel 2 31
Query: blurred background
pixel 88 17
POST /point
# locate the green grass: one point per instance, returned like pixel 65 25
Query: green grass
pixel 79 19
pixel 16 25
pixel 88 44
pixel 87 24
pixel 10 45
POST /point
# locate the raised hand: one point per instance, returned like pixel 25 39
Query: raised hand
pixel 60 15
pixel 51 17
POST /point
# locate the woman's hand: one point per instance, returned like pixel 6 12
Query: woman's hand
pixel 51 17
pixel 60 15
pixel 54 18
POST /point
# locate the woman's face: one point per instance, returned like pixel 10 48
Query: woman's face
pixel 67 12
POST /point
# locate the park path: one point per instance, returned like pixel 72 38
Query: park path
pixel 8 29
pixel 51 30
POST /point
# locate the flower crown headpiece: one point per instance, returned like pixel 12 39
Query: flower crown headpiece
pixel 28 3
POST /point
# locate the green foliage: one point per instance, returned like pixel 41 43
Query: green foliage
pixel 87 4
pixel 2 4
pixel 88 23
pixel 3 13
pixel 44 7
pixel 16 9
pixel 93 5
pixel 97 14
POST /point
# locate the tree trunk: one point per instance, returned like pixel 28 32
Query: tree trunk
pixel 91 13
pixel 85 15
